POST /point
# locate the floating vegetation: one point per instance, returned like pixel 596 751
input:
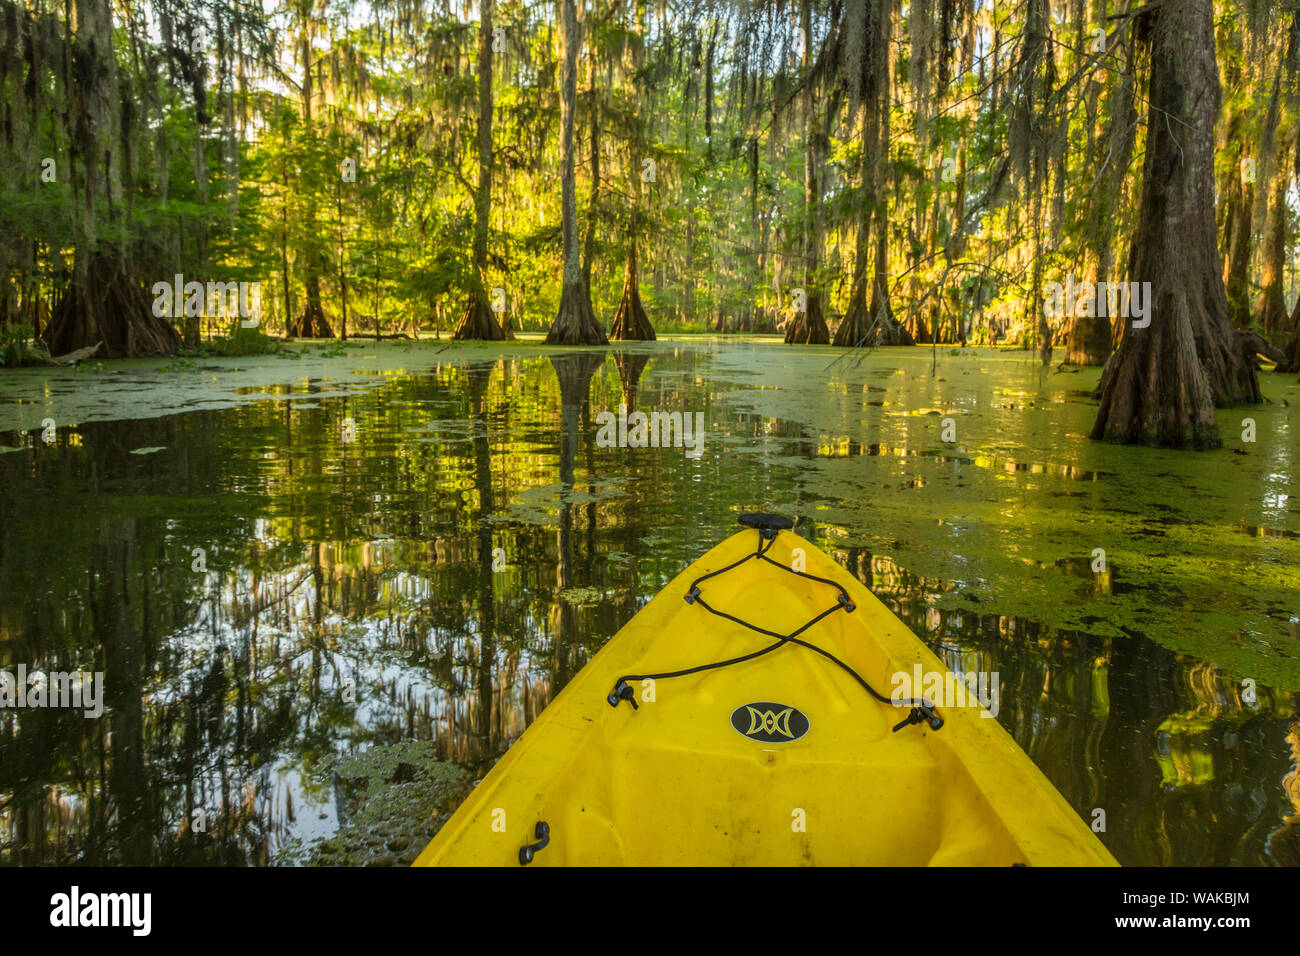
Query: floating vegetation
pixel 396 797
pixel 581 596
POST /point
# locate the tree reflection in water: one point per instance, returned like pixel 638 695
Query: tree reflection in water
pixel 351 599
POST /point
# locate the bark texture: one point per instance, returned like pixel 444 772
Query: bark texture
pixel 1162 385
pixel 869 320
pixel 1270 306
pixel 311 322
pixel 1291 359
pixel 478 321
pixel 630 322
pixel 809 326
pixel 106 303
pixel 575 323
pixel 106 300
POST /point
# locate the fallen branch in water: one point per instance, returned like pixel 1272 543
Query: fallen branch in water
pixel 76 355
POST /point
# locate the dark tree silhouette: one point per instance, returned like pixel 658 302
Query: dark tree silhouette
pixel 1162 385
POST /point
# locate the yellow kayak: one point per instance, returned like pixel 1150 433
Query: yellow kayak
pixel 765 709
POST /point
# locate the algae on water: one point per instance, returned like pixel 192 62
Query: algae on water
pixel 397 797
pixel 969 498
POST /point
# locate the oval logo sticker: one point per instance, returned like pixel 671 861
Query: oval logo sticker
pixel 770 723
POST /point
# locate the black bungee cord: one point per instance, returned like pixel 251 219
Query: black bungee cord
pixel 767 527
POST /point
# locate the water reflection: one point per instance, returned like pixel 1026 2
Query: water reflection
pixel 441 577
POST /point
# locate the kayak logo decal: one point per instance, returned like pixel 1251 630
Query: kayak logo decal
pixel 769 723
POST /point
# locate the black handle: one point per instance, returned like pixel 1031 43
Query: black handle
pixel 767 524
pixel 543 833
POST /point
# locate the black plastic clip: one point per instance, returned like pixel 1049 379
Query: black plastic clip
pixel 923 714
pixel 849 606
pixel 692 594
pixel 767 524
pixel 543 833
pixel 622 692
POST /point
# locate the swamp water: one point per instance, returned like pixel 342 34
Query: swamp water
pixel 327 590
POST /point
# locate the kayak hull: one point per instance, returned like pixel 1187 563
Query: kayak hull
pixel 783 759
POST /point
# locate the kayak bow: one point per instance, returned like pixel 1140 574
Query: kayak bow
pixel 759 729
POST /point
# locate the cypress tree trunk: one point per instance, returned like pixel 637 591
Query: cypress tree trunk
pixel 1238 279
pixel 1087 337
pixel 106 299
pixel 1270 307
pixel 312 324
pixel 342 271
pixel 892 330
pixel 809 326
pixel 478 321
pixel 872 322
pixel 1291 363
pixel 575 323
pixel 287 288
pixel 881 308
pixel 589 242
pixel 1162 385
pixel 630 322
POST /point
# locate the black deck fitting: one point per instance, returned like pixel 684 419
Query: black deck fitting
pixel 767 524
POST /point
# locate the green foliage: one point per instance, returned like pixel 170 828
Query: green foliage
pixel 360 182
pixel 242 341
pixel 18 349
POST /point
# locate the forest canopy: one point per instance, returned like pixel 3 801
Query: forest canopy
pixel 862 172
